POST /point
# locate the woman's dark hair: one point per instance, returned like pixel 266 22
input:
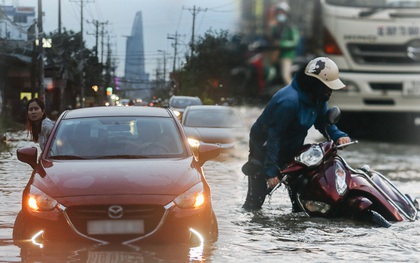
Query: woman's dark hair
pixel 32 127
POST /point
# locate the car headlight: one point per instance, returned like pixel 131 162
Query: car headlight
pixel 311 157
pixel 316 206
pixel 340 178
pixel 40 201
pixel 192 198
pixel 193 142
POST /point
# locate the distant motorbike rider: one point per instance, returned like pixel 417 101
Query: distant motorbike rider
pixel 286 36
pixel 283 126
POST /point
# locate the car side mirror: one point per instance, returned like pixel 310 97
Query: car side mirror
pixel 207 151
pixel 28 155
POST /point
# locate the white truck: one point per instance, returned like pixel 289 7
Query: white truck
pixel 376 45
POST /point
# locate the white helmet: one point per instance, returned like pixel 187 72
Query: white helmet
pixel 283 6
pixel 326 71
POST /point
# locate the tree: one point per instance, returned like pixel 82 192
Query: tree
pixel 207 72
pixel 64 58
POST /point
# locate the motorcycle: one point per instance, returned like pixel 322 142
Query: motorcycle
pixel 325 185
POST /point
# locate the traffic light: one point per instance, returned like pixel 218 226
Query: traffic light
pixel 109 91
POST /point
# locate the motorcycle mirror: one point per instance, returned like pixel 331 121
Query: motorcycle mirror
pixel 333 115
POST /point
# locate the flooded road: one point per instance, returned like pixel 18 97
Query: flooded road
pixel 273 234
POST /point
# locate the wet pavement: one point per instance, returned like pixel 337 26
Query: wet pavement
pixel 272 234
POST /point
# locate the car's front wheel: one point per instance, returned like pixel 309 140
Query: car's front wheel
pixel 21 229
pixel 214 229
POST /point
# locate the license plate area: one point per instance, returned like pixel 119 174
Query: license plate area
pixel 113 227
pixel 411 88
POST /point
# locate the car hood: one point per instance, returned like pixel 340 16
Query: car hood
pixel 117 177
pixel 216 135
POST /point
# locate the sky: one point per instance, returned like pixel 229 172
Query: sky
pixel 161 19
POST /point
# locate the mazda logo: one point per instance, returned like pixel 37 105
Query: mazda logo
pixel 413 50
pixel 115 211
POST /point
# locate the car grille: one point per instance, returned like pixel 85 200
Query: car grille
pixel 80 215
pixel 375 54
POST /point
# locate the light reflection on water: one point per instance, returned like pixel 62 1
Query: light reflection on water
pixel 273 234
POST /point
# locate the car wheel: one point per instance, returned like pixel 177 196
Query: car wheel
pixel 21 229
pixel 214 228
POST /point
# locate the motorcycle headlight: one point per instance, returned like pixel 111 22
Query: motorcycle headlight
pixel 192 198
pixel 311 157
pixel 316 206
pixel 40 201
pixel 340 178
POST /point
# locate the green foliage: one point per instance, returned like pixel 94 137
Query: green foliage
pixel 207 73
pixel 68 57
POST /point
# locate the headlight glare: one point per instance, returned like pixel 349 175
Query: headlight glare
pixel 39 201
pixel 192 198
pixel 311 157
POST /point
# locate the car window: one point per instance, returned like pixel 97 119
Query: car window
pixel 107 137
pixel 185 102
pixel 220 118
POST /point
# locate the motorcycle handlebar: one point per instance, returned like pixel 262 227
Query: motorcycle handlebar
pixel 347 144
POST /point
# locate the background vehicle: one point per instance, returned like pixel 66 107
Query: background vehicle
pixel 376 46
pixel 178 104
pixel 327 186
pixel 222 125
pixel 117 175
pixel 377 49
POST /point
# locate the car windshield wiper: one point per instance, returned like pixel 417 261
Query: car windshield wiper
pixel 67 157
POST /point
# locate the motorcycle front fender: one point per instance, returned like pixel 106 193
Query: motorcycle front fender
pixel 379 202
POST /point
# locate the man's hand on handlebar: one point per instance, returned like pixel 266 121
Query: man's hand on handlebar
pixel 343 140
pixel 272 182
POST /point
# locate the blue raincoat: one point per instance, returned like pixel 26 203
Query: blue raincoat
pixel 281 129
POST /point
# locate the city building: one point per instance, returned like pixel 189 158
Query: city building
pixel 136 82
pixel 17 35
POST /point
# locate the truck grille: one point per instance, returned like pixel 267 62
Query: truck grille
pixel 384 54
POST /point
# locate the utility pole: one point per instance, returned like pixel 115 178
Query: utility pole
pixel 82 87
pixel 102 40
pixel 173 79
pixel 175 45
pixel 194 12
pixel 96 24
pixel 59 17
pixel 102 33
pixel 41 94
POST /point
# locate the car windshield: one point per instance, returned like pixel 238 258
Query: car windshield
pixel 216 118
pixel 116 137
pixel 185 102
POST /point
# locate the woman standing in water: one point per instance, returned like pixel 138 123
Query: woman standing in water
pixel 37 122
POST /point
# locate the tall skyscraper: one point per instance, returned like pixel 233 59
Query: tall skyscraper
pixel 134 58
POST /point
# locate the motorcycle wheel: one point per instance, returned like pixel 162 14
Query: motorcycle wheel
pixel 377 219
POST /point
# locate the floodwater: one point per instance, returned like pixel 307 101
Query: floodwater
pixel 272 234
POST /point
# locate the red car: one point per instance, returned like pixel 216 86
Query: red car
pixel 117 175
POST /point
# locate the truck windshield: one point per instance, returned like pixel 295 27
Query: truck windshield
pixel 376 3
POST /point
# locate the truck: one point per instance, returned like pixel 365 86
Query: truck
pixel 376 46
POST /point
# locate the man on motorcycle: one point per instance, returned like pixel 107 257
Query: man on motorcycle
pixel 283 126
